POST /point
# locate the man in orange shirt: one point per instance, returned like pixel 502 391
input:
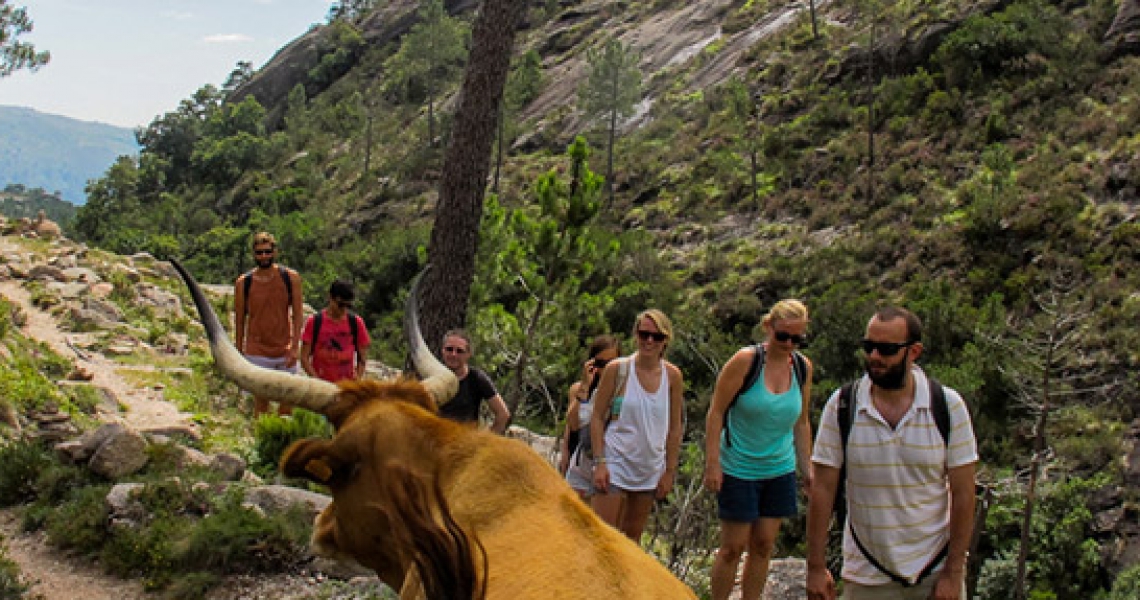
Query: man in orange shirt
pixel 268 315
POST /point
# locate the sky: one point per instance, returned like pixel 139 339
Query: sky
pixel 125 62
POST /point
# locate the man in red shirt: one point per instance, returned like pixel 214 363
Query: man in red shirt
pixel 268 314
pixel 340 348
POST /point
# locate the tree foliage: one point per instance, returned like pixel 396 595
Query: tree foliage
pixel 611 89
pixel 15 54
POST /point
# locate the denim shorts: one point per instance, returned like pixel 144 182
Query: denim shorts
pixel 745 500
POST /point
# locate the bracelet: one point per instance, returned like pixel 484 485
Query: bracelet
pixel 600 460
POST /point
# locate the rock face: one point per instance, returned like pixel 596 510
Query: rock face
pixel 1123 36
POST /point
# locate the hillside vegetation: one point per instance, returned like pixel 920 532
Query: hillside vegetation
pixel 1000 204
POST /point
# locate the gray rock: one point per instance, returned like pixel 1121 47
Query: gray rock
pixel 68 291
pixel 81 274
pixel 230 466
pixel 163 301
pixel 273 499
pixel 123 506
pixel 46 273
pixel 121 455
pixel 80 450
pixel 546 446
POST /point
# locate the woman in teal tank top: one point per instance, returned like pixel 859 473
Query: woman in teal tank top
pixel 754 445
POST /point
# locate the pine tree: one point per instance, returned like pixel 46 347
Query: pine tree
pixel 611 90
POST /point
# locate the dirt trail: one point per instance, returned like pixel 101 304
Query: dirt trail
pixel 56 576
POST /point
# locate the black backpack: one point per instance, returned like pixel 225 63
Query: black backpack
pixel 353 326
pixel 799 370
pixel 248 283
pixel 846 418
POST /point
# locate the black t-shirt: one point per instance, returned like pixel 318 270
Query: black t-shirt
pixel 474 390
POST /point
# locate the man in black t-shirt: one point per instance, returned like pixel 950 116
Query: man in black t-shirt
pixel 475 387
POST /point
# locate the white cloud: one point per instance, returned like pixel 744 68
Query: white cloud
pixel 227 38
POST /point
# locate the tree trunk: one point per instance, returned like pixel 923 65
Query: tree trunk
pixel 454 239
pixel 498 152
pixel 1034 469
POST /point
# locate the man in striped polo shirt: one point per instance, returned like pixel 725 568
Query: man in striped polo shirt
pixel 910 492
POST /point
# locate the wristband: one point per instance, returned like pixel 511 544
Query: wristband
pixel 600 460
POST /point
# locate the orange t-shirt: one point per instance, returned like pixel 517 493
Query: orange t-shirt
pixel 268 328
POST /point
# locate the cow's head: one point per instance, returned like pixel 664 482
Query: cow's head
pixel 388 512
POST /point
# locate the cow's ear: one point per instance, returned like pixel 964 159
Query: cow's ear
pixel 320 461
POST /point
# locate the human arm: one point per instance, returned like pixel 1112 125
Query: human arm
pixel 950 580
pixel 362 348
pixel 239 315
pixel 603 404
pixel 502 414
pixel 821 502
pixel 297 315
pixel 801 431
pixel 573 423
pixel 307 343
pixel 727 383
pixel 676 430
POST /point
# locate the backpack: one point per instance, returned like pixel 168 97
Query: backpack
pixel 248 283
pixel 353 326
pixel 846 417
pixel 799 370
pixel 585 444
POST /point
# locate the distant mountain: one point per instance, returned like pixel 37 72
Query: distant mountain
pixel 58 154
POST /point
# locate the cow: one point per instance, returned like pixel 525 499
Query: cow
pixel 439 509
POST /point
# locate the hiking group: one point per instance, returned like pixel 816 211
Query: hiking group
pixel 893 459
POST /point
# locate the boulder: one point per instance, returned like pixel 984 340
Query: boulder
pixel 123 507
pixel 546 446
pixel 46 273
pixel 231 467
pixel 121 455
pixel 82 274
pixel 272 499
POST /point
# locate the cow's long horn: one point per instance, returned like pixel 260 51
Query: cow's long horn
pixel 437 378
pixel 313 394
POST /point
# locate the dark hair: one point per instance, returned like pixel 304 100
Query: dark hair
pixel 913 323
pixel 603 342
pixel 342 290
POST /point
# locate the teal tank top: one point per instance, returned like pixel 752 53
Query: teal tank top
pixel 763 445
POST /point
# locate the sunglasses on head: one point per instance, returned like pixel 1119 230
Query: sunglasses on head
pixel 783 336
pixel 455 349
pixel 884 348
pixel 656 336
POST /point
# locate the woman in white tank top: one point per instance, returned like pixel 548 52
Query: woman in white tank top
pixel 636 428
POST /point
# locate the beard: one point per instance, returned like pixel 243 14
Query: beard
pixel 264 263
pixel 889 377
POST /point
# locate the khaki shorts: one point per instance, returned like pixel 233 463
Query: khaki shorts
pixel 894 591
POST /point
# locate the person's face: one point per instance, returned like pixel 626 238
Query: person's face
pixel 650 339
pixel 888 353
pixel 455 352
pixel 264 255
pixel 339 305
pixel 787 333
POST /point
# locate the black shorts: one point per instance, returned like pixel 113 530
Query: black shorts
pixel 745 500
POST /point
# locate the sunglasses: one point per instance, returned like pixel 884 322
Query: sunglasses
pixel 263 252
pixel 455 350
pixel 783 336
pixel 600 363
pixel 884 348
pixel 656 336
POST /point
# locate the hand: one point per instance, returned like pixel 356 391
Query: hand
pixel 949 585
pixel 602 478
pixel 290 357
pixel 714 478
pixel 820 584
pixel 665 484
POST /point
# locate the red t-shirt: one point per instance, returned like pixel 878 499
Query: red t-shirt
pixel 333 357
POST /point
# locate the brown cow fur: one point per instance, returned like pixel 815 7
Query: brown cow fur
pixel 539 540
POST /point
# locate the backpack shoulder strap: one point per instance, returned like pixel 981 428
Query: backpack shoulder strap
pixel 288 282
pixel 799 366
pixel 246 283
pixel 939 409
pixel 622 376
pixel 750 378
pixel 354 327
pixel 317 318
pixel 845 414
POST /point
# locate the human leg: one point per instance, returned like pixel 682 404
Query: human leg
pixel 733 539
pixel 608 506
pixel 635 513
pixel 761 544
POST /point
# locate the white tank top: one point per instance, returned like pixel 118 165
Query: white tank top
pixel 635 440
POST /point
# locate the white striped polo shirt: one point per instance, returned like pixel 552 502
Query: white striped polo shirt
pixel 897 488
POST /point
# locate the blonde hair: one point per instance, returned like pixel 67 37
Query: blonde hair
pixel 786 310
pixel 664 325
pixel 263 237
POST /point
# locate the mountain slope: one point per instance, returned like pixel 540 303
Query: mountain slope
pixel 33 153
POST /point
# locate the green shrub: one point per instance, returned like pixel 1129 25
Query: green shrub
pixel 12 584
pixel 192 586
pixel 81 522
pixel 234 538
pixel 273 434
pixel 1127 585
pixel 21 462
pixel 56 481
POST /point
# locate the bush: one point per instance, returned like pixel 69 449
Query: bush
pixel 80 523
pixel 273 434
pixel 21 462
pixel 234 538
